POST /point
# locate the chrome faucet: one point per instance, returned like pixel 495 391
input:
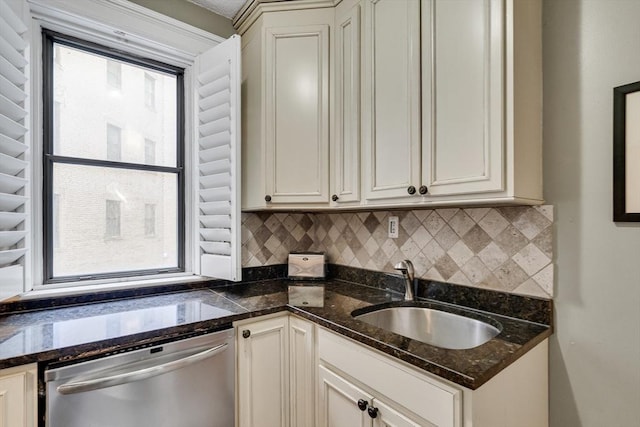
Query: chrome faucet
pixel 406 268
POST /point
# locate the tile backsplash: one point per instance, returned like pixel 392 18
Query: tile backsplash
pixel 507 249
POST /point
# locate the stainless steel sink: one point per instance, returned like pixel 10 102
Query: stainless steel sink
pixel 435 327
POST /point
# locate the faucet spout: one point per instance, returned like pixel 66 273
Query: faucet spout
pixel 408 272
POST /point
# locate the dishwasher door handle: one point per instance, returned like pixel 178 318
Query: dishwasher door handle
pixel 141 374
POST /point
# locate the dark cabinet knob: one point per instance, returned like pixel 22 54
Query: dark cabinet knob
pixel 373 412
pixel 362 404
pixel 335 198
pixel 246 333
pixel 423 189
pixel 267 198
pixel 411 189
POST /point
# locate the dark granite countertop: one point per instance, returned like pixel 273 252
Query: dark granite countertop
pixel 76 332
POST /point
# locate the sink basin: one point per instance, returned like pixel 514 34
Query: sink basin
pixel 431 326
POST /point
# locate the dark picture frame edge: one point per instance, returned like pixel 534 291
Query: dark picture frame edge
pixel 619 153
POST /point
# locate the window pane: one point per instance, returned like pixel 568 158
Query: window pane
pixel 114 74
pixel 143 108
pixel 114 143
pixel 114 220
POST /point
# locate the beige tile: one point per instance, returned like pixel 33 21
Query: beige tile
pixel 531 288
pixel 510 275
pixel 446 266
pixel 530 223
pixel 433 251
pixel 475 270
pixel 493 223
pixel 447 214
pixel 434 223
pixel 461 223
pixel 460 253
pixel 347 256
pixel 410 249
pixel 511 241
pixel 389 247
pixel 544 241
pixel 371 246
pixel 410 223
pixel 492 256
pixel 446 237
pixel 422 214
pixel 544 278
pixel 531 259
pixel 546 210
pixel 363 234
pixel 421 236
pixel 460 279
pixel 477 214
pixel 476 239
pixel 434 274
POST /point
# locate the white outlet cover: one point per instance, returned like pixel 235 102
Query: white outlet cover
pixel 393 227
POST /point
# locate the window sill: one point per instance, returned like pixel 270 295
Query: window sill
pixel 70 289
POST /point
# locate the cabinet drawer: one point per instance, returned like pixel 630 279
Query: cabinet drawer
pixel 428 398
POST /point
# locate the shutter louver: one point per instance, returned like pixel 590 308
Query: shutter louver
pixel 218 99
pixel 13 146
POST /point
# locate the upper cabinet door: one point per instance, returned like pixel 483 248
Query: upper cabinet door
pixel 345 146
pixel 462 96
pixel 297 114
pixel 391 98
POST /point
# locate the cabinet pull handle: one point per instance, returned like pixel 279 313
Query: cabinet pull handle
pixel 423 189
pixel 372 411
pixel 362 404
pixel 335 198
pixel 411 189
pixel 267 198
pixel 246 333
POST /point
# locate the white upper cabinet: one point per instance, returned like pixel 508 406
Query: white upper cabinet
pixel 432 103
pixel 286 84
pixel 391 98
pixel 463 96
pixel 346 102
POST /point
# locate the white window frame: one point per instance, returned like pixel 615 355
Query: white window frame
pixel 139 31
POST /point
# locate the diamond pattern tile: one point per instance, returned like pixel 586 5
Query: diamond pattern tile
pixel 508 248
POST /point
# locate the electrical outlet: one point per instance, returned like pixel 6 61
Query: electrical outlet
pixel 393 227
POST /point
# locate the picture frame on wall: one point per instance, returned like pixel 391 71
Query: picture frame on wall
pixel 626 153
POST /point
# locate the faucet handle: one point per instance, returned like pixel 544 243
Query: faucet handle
pixel 407 266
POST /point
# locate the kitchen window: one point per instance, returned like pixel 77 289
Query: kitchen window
pixel 78 170
pixel 64 161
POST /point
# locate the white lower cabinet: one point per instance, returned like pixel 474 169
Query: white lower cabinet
pixel 341 403
pixel 275 372
pixel 292 372
pixel 263 372
pixel 18 396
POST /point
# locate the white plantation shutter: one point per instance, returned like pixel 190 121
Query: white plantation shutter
pixel 218 113
pixel 13 146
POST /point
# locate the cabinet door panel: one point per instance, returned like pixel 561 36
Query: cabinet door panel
pixel 346 144
pixel 463 96
pixel 338 402
pixel 391 98
pixel 18 397
pixel 302 391
pixel 297 113
pixel 389 417
pixel 263 366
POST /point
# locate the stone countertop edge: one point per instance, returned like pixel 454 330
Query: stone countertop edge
pixel 271 291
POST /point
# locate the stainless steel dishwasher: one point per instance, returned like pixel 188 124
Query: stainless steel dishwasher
pixel 187 383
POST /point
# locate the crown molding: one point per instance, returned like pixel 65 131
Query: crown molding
pixel 253 9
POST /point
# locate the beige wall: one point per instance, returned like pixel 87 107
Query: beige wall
pixel 191 14
pixel 590 46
